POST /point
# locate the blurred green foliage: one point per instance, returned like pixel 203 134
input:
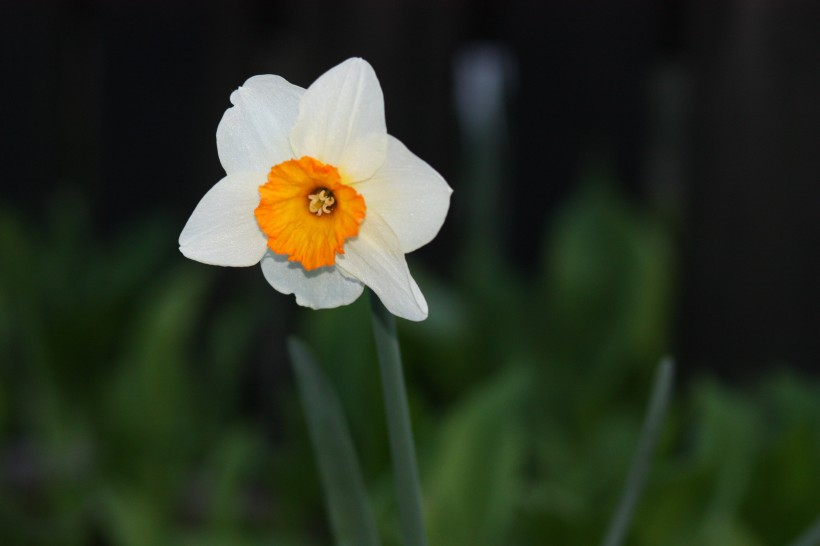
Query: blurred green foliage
pixel 125 373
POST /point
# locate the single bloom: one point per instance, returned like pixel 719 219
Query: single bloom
pixel 318 193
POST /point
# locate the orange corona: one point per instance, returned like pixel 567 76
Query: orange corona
pixel 307 212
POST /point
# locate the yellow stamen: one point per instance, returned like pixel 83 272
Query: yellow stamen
pixel 321 202
pixel 307 212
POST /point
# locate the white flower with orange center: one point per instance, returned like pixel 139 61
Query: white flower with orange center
pixel 319 193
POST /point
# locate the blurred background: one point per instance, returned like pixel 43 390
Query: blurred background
pixel 632 180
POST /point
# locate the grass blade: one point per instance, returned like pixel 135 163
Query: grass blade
pixel 642 461
pixel 811 537
pixel 345 496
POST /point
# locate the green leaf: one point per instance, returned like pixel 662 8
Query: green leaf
pixel 345 494
pixel 473 487
pixel 148 418
pixel 132 518
pixel 608 285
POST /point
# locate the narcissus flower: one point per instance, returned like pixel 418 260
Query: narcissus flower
pixel 319 193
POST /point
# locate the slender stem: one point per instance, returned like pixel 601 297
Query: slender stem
pixel 408 490
pixel 642 459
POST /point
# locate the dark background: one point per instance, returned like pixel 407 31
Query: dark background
pixel 706 110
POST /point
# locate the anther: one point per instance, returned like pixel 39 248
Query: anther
pixel 321 202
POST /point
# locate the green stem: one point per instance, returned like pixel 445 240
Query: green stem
pixel 408 490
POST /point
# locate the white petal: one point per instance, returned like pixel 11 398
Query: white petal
pixel 321 288
pixel 374 257
pixel 409 194
pixel 253 134
pixel 341 120
pixel 222 229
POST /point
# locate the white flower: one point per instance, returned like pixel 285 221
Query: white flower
pixel 319 193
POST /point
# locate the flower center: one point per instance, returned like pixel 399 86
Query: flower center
pixel 321 202
pixel 314 234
